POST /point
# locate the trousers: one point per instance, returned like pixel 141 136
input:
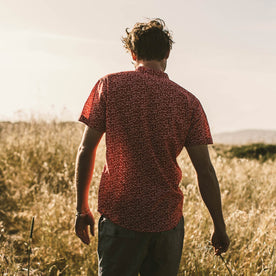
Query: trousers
pixel 123 252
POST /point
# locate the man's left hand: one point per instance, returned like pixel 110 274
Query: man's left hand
pixel 82 223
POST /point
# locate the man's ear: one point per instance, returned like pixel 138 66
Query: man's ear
pixel 167 55
pixel 133 56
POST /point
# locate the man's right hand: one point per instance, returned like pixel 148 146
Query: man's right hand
pixel 220 241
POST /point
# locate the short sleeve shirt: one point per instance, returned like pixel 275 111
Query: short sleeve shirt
pixel 148 119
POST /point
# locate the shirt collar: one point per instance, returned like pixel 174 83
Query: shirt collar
pixel 152 72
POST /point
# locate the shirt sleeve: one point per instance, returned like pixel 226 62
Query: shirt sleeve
pixel 199 131
pixel 94 110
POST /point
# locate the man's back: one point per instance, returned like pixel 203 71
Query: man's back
pixel 148 119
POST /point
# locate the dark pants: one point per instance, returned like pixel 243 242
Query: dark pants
pixel 124 252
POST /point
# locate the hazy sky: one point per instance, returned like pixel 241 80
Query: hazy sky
pixel 53 51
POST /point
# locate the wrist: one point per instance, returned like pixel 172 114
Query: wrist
pixel 220 227
pixel 82 205
pixel 83 212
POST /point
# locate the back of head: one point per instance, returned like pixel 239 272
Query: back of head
pixel 149 41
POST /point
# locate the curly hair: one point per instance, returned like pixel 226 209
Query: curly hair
pixel 149 41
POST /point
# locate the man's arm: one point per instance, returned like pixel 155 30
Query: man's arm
pixel 83 174
pixel 210 192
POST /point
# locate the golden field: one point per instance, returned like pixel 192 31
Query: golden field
pixel 37 180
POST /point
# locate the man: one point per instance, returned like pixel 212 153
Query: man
pixel 148 119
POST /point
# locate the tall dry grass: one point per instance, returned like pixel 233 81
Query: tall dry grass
pixel 36 179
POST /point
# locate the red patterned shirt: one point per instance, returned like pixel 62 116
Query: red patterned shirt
pixel 148 119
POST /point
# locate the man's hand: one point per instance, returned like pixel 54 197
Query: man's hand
pixel 220 241
pixel 81 226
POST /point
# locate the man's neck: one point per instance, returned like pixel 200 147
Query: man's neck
pixel 152 64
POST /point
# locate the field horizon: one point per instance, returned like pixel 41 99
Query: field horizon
pixel 231 137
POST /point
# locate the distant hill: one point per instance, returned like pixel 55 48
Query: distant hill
pixel 246 137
